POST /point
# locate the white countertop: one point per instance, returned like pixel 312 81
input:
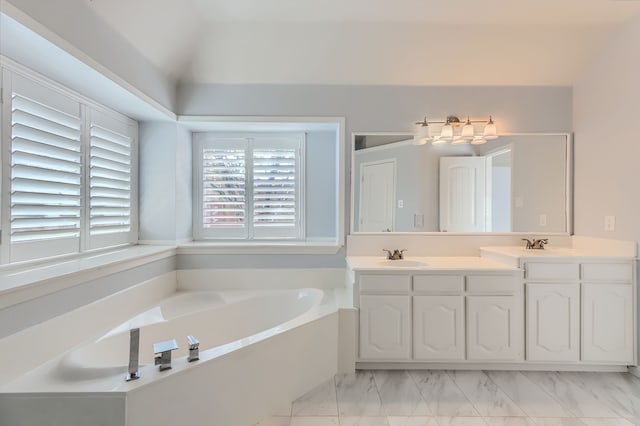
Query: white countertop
pixel 555 252
pixel 416 263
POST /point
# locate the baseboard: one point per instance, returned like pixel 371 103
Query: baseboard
pixel 516 366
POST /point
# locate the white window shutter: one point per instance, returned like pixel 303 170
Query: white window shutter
pixel 110 180
pixel 46 172
pixel 224 191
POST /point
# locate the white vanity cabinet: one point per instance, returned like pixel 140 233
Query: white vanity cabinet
pixel 385 316
pixel 580 311
pixel 441 317
pixel 607 313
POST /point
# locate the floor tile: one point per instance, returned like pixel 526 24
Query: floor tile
pixel 486 396
pixel 363 421
pixel 574 398
pixel 531 398
pixel 412 421
pixel 618 391
pixel 605 422
pixel 399 394
pixel 461 421
pixel 274 421
pixel 315 421
pixel 321 401
pixel 557 421
pixel 442 395
pixel 357 395
pixel 509 421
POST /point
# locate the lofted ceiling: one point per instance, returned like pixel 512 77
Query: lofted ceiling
pixel 377 42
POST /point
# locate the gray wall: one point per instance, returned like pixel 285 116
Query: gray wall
pixel 606 142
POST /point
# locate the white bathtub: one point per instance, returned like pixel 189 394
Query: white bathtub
pixel 258 351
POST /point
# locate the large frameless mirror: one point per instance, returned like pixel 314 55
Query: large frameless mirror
pixel 516 183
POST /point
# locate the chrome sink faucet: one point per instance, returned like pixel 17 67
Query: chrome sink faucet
pixel 396 255
pixel 134 354
pixel 536 244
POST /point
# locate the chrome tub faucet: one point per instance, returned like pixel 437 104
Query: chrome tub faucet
pixel 194 351
pixel 162 351
pixel 396 255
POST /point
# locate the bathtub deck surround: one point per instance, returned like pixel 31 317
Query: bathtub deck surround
pixel 247 341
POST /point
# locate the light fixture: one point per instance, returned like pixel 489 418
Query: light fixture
pixel 468 133
pixel 422 132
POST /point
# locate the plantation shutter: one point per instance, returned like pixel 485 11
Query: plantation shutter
pixel 276 187
pixel 46 172
pixel 224 189
pixel 110 180
pixel 250 186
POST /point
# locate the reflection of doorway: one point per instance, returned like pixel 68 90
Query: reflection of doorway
pixel 499 165
pixel 462 194
pixel 377 196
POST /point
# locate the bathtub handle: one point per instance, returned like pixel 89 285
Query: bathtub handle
pixel 194 351
pixel 162 351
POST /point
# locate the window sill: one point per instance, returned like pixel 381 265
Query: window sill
pixel 29 280
pixel 270 247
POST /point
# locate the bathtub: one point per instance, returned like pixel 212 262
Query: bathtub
pixel 259 350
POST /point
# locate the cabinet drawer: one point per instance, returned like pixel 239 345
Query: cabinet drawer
pixel 553 271
pixel 438 283
pixel 607 272
pixel 491 284
pixel 385 283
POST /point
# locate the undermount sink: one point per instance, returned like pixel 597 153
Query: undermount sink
pixel 402 263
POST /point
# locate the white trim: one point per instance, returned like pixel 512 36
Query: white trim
pixel 258 247
pixel 33 25
pixel 503 365
pixel 28 281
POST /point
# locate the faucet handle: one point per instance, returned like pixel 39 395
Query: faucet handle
pixel 389 253
pixel 194 351
pixel 529 244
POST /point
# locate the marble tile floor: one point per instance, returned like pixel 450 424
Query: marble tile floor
pixel 467 398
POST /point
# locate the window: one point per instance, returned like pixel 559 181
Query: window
pixel 69 172
pixel 249 187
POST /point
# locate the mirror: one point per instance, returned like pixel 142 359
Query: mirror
pixel 516 183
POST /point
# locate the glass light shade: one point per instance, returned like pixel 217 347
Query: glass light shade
pixel 417 140
pixel 478 140
pixel 424 132
pixel 447 132
pixel 490 131
pixel 467 131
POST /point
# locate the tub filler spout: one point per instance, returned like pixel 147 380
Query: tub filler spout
pixel 134 354
pixel 162 351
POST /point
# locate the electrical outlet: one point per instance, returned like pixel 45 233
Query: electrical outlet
pixel 543 219
pixel 400 204
pixel 610 223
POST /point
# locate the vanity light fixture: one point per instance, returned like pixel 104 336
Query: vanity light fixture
pixel 449 134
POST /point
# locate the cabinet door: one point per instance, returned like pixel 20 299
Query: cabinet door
pixel 438 328
pixel 492 328
pixel 607 323
pixel 384 327
pixel 553 322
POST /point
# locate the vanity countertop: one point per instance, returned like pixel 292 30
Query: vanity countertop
pixel 431 263
pixel 554 252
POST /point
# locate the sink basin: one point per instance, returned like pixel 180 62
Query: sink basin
pixel 402 263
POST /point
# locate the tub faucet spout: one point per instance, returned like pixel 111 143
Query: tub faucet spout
pixel 194 349
pixel 134 354
pixel 162 351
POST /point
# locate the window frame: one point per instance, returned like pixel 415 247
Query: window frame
pixel 251 141
pixel 39 250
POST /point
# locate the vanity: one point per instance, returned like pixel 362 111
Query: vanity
pixel 558 308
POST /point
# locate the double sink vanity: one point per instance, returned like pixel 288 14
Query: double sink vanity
pixel 510 307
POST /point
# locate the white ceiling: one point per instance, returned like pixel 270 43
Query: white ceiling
pixel 380 42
